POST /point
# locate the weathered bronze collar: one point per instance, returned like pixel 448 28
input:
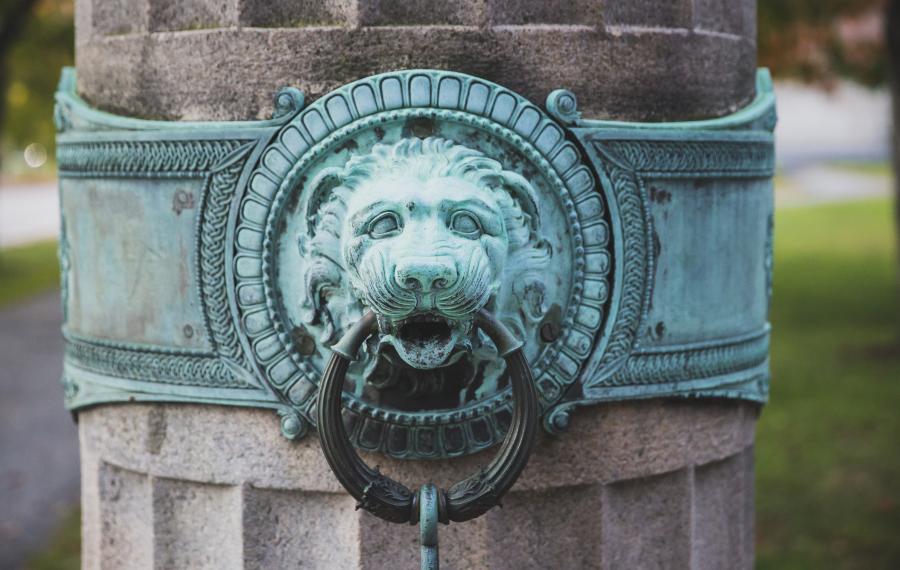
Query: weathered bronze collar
pixel 220 262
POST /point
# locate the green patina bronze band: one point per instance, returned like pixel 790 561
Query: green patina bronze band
pixel 194 267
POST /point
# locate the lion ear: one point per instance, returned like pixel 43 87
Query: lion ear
pixel 319 190
pixel 523 193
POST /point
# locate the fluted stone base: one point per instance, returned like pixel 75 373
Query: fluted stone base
pixel 644 484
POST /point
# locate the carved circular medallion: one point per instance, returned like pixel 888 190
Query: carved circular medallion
pixel 424 196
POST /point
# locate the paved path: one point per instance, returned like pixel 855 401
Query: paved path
pixel 39 472
pixel 849 122
pixel 818 184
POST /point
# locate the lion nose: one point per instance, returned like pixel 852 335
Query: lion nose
pixel 425 276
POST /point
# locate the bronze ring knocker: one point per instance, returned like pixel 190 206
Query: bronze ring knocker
pixel 394 502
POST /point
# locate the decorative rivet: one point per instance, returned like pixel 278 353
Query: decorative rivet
pixel 292 426
pixel 549 331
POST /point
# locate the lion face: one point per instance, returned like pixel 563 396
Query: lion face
pixel 425 232
pixel 425 253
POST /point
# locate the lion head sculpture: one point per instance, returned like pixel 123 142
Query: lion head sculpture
pixel 424 232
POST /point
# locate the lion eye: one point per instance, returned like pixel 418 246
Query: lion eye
pixel 466 224
pixel 384 225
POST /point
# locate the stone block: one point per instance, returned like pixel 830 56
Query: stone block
pixel 119 17
pixel 122 88
pixel 748 10
pixel 294 14
pixel 725 16
pixel 514 536
pixel 517 533
pixel 648 13
pixel 285 529
pixel 748 506
pixel 612 442
pixel 91 518
pixel 647 522
pixel 383 545
pixel 623 471
pixel 536 12
pixel 205 75
pixel 196 525
pixel 719 519
pixel 126 522
pixel 422 13
pixel 84 17
pixel 175 15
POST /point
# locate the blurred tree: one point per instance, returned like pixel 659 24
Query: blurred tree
pixel 820 40
pixel 815 40
pixel 45 44
pixel 13 14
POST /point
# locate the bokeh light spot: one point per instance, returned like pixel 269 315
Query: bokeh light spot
pixel 35 155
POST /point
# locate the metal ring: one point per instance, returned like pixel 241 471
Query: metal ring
pixel 394 502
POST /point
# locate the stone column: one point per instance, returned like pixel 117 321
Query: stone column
pixel 639 484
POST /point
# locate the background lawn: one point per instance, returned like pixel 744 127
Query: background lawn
pixel 27 270
pixel 828 451
pixel 828 447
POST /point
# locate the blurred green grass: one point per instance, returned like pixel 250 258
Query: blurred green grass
pixel 828 446
pixel 877 168
pixel 27 270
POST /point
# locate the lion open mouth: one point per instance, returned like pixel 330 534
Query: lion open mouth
pixel 426 340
